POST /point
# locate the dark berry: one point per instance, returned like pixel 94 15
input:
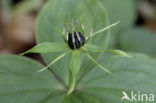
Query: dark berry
pixel 78 43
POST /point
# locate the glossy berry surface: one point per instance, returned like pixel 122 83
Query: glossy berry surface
pixel 79 40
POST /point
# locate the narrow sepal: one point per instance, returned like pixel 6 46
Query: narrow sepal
pixel 106 28
pixel 55 60
pixel 100 66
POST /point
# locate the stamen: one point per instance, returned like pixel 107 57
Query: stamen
pixel 68 27
pixel 77 24
pixel 67 37
pixel 64 31
pixel 83 28
pixel 73 27
pixel 73 40
pixel 91 32
pixel 79 38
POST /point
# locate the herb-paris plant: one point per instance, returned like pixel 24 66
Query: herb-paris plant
pixel 75 41
pixel 21 83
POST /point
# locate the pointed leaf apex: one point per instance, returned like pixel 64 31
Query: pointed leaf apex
pixel 118 53
pixel 64 30
pixel 106 28
pixel 100 66
pixel 55 60
pixel 83 27
pixel 21 54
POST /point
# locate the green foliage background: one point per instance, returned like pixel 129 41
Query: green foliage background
pixel 19 82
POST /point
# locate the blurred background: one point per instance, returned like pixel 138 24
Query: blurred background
pixel 135 33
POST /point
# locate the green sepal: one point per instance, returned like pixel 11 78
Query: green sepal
pixel 118 52
pixel 47 47
pixel 55 60
pixel 95 48
pixel 92 59
pixel 75 63
pixel 71 85
pixel 104 29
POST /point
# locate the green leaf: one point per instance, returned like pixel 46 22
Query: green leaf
pixel 19 82
pixel 75 63
pixel 47 47
pixel 123 10
pixel 55 12
pixel 137 74
pixel 118 53
pixel 138 40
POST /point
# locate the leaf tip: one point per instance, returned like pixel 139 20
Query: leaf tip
pixel 21 54
pixel 119 53
pixel 129 56
pixel 109 72
pixel 118 22
pixel 69 92
pixel 41 70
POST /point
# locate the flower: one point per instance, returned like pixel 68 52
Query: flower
pixel 75 42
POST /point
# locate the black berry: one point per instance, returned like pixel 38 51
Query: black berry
pixel 79 40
